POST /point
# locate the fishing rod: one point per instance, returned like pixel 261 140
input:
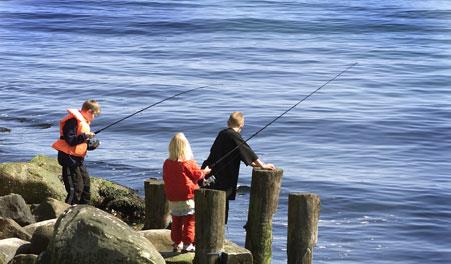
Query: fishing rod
pixel 152 105
pixel 286 111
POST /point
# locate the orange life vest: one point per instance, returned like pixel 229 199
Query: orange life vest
pixel 82 127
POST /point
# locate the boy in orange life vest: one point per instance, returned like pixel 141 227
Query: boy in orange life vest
pixel 74 142
pixel 181 174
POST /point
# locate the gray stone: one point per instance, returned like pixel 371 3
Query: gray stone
pixel 40 239
pixel 13 206
pixel 44 258
pixel 84 234
pixel 9 228
pixel 41 178
pixel 161 239
pixel 118 200
pixel 234 254
pixel 185 258
pixel 31 228
pixel 35 180
pixel 5 129
pixel 24 259
pixel 24 249
pixel 9 246
pixel 49 209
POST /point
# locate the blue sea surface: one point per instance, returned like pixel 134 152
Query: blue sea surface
pixel 374 144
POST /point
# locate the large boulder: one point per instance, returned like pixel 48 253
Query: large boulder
pixel 41 178
pixel 13 206
pixel 9 228
pixel 35 180
pixel 9 247
pixel 118 200
pixel 84 234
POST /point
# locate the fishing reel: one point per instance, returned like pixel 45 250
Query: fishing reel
pixel 93 143
pixel 207 182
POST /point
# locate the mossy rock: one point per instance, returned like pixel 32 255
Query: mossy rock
pixel 2 258
pixel 118 200
pixel 161 239
pixel 34 181
pixel 186 258
pixel 84 234
pixel 41 178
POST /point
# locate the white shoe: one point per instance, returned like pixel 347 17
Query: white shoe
pixel 177 248
pixel 189 248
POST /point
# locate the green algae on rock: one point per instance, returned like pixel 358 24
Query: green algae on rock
pixel 41 178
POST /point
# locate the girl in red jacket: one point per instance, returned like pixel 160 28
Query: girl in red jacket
pixel 181 174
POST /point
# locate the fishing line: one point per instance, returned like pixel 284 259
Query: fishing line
pixel 286 111
pixel 152 105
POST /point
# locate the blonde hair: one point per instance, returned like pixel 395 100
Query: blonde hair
pixel 236 119
pixel 91 105
pixel 179 148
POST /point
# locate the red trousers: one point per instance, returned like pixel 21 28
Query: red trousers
pixel 182 229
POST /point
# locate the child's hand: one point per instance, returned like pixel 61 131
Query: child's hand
pixel 268 166
pixel 207 182
pixel 206 170
pixel 90 135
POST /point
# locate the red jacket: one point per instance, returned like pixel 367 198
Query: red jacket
pixel 180 179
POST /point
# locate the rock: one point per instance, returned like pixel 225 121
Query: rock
pixel 13 206
pixel 35 180
pixel 161 239
pixel 9 246
pixel 31 228
pixel 49 209
pixel 186 258
pixel 24 259
pixel 9 228
pixel 5 129
pixel 40 239
pixel 118 200
pixel 44 258
pixel 24 249
pixel 40 179
pixel 243 189
pixel 234 254
pixel 84 234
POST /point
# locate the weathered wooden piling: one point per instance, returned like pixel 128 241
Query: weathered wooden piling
pixel 157 207
pixel 264 197
pixel 303 217
pixel 210 220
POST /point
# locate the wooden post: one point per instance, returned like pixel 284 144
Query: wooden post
pixel 265 189
pixel 157 207
pixel 303 217
pixel 210 220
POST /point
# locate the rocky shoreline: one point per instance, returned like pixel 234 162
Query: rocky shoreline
pixel 40 179
pixel 36 226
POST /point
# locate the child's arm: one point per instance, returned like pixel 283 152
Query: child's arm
pixel 196 173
